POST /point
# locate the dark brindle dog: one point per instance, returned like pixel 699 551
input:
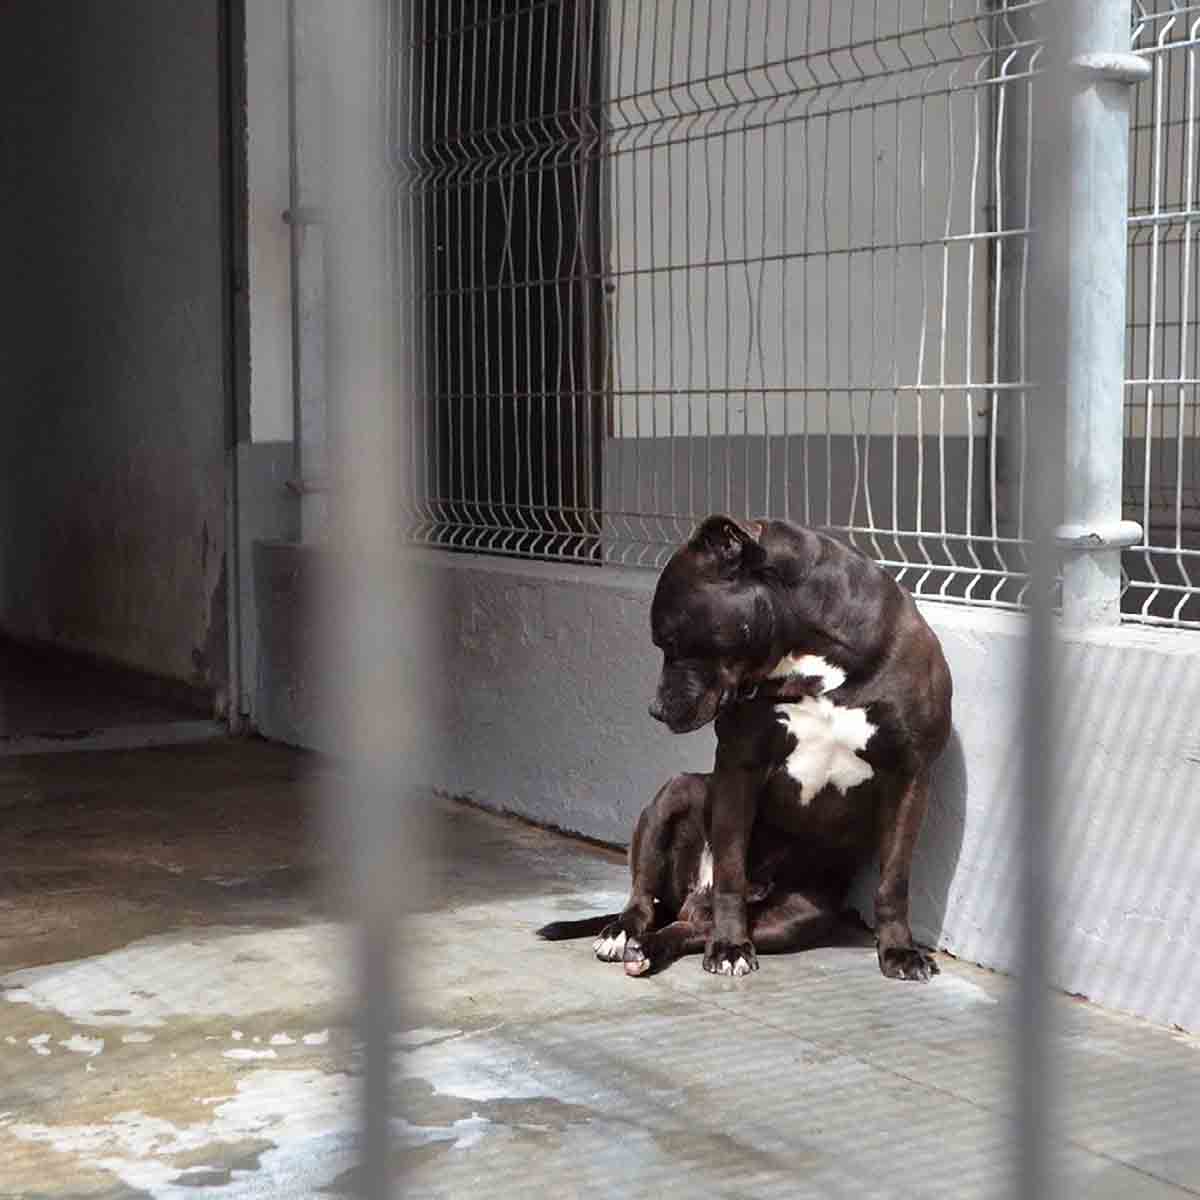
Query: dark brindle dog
pixel 832 701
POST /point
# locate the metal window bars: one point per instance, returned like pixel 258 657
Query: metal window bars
pixel 772 257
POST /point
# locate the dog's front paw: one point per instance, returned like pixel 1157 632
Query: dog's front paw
pixel 730 958
pixel 907 962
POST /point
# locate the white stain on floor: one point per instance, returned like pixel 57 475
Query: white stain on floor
pixel 153 980
pixel 308 1117
pixel 479 1068
pixel 423 1036
pixel 462 1134
pixel 81 1044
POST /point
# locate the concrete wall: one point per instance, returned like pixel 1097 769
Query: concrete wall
pixel 112 387
pixel 544 676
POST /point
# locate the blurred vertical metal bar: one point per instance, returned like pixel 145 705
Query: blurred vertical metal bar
pixel 378 642
pixel 1080 118
pixel 1049 297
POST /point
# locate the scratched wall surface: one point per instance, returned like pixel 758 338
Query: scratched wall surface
pixel 111 387
pixel 542 680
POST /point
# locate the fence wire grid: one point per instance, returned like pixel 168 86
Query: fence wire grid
pixel 1162 466
pixel 768 258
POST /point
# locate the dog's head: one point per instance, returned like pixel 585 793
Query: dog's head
pixel 712 619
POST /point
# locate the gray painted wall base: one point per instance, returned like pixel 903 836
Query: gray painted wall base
pixel 545 675
pixel 267 510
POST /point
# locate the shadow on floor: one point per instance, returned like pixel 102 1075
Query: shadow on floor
pixel 55 700
pixel 102 848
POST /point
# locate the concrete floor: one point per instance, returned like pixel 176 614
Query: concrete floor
pixel 174 999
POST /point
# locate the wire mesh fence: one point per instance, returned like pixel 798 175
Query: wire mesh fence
pixel 767 258
pixel 1162 463
pixel 500 227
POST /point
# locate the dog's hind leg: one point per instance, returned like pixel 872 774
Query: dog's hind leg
pixel 664 858
pixel 792 921
pixel 659 948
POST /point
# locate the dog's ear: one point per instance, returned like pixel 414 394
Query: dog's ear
pixel 733 544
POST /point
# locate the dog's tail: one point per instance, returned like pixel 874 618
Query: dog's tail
pixel 563 931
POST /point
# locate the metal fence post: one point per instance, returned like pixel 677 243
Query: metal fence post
pixel 1080 184
pixel 1093 531
pixel 381 636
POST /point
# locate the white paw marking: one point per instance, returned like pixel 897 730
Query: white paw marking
pixel 735 969
pixel 828 738
pixel 610 949
pixel 809 666
pixel 704 876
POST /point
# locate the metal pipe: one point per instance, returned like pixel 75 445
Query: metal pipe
pixel 233 41
pixel 294 235
pixel 1102 70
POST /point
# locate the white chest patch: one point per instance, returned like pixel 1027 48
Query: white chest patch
pixel 828 738
pixel 809 666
